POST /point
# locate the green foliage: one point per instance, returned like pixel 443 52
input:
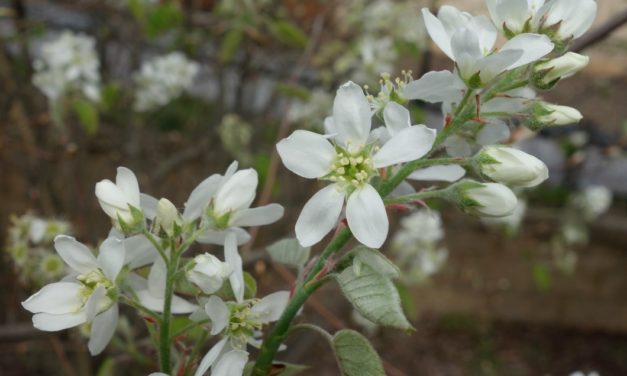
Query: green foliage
pixel 230 44
pixel 87 114
pixel 375 260
pixel 250 286
pixel 107 368
pixel 355 355
pixel 542 277
pixel 374 296
pixel 289 252
pixel 288 33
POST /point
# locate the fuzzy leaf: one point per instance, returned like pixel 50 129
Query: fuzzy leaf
pixel 377 262
pixel 87 114
pixel 289 252
pixel 374 296
pixel 355 355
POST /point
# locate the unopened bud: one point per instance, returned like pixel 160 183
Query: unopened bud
pixel 510 166
pixel 485 199
pixel 208 273
pixel 546 115
pixel 547 74
pixel 167 215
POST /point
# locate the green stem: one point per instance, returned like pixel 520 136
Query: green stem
pixel 165 325
pixel 417 196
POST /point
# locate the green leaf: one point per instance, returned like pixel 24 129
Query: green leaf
pixel 230 44
pixel 542 277
pixel 374 296
pixel 289 252
pixel 250 286
pixel 163 18
pixel 289 33
pixel 87 114
pixel 375 260
pixel 355 355
pixel 279 369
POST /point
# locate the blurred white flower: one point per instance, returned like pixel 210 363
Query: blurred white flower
pixel 163 79
pixel 68 64
pixel 594 201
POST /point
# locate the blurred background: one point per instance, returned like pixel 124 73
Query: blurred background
pixel 176 90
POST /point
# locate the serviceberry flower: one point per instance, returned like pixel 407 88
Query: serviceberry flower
pixel 121 198
pixel 88 296
pixel 484 199
pixel 469 42
pixel 511 166
pixel 349 161
pixel 208 273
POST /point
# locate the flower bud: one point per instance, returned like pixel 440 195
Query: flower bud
pixel 546 74
pixel 208 273
pixel 120 200
pixel 511 166
pixel 485 199
pixel 167 216
pixel 546 114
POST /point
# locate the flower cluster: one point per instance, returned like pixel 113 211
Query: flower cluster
pixel 68 65
pixel 28 241
pixel 150 234
pixel 163 79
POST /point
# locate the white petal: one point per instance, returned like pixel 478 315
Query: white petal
pixel 259 216
pixel 485 31
pixel 127 182
pixel 210 358
pixel 307 154
pixel 437 32
pixel 219 237
pixel 234 260
pixel 148 205
pixel 396 118
pixel 533 47
pixel 111 257
pixel 366 216
pixel 466 51
pixel 319 215
pixel 497 63
pixel 52 323
pixel 218 313
pixel 271 306
pixel 441 86
pixel 238 192
pixel 351 115
pixel 231 364
pixel 112 199
pixel 181 306
pixel 102 329
pixel 94 303
pixel 407 145
pixel 76 255
pixel 453 19
pixel 55 298
pixel 157 278
pixel 448 173
pixel 139 251
pixel 200 197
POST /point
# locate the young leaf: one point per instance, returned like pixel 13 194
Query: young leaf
pixel 289 252
pixel 374 296
pixel 355 355
pixel 376 261
pixel 289 33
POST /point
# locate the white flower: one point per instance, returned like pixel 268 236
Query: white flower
pixel 560 19
pixel 116 199
pixel 486 199
pixel 511 166
pixel 566 19
pixel 163 79
pixel 349 162
pixel 553 114
pixel 88 297
pixel 237 321
pixel 223 204
pixel 513 16
pixel 69 63
pixel 469 41
pixel 208 273
pixel 562 67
